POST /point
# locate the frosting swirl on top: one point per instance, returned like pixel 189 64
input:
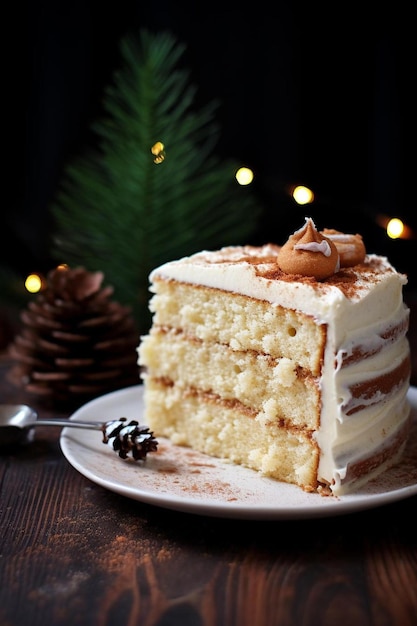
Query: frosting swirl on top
pixel 309 253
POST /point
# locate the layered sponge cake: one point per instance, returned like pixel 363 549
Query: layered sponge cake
pixel 291 360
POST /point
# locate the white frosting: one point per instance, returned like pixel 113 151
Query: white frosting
pixel 354 318
pixel 314 246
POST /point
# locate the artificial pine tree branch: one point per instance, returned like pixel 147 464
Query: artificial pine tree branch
pixel 120 213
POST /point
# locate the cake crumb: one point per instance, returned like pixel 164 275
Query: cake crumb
pixel 325 491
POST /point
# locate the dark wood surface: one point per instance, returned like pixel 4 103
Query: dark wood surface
pixel 73 553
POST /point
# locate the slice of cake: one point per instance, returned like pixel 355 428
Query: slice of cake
pixel 290 360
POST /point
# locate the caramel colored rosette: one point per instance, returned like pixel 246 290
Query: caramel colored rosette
pixel 351 248
pixel 309 253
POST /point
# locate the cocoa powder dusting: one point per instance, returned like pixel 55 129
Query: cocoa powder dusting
pixel 346 280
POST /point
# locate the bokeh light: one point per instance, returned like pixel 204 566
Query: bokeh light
pixel 244 176
pixel 395 228
pixel 158 150
pixel 302 195
pixel 34 283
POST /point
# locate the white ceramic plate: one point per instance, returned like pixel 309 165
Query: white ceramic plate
pixel 182 479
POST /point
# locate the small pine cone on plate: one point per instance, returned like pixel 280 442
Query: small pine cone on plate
pixel 75 343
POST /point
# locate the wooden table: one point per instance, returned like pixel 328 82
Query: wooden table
pixel 74 554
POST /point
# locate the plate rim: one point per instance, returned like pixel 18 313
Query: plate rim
pixel 323 507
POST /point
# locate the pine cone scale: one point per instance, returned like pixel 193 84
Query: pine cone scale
pixel 50 376
pixel 106 320
pixel 70 337
pixel 74 363
pixel 120 343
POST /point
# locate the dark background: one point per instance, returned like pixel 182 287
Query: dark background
pixel 315 94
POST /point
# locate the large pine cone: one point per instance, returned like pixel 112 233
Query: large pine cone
pixel 75 343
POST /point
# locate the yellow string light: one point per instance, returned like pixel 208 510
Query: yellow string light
pixel 395 228
pixel 33 283
pixel 302 195
pixel 244 176
pixel 158 150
